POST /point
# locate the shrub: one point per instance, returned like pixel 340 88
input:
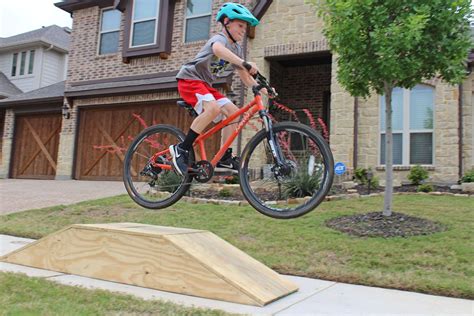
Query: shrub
pixel 374 183
pixel 417 175
pixel 168 181
pixel 425 188
pixel 234 179
pixel 468 176
pixel 302 185
pixel 224 193
pixel 360 175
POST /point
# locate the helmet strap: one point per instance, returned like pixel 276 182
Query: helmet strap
pixel 228 33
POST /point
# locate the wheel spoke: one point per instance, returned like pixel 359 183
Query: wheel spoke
pixel 151 186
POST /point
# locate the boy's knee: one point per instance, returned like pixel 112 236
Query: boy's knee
pixel 229 109
pixel 212 107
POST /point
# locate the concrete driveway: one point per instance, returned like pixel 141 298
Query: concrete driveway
pixel 19 195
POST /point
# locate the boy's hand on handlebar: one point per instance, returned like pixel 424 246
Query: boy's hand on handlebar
pixel 251 67
pixel 273 93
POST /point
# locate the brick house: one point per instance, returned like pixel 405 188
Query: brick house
pixel 32 74
pixel 125 54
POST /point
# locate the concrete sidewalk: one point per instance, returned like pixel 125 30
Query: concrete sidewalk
pixel 18 195
pixel 315 297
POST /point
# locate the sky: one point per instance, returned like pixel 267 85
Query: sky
pixel 20 16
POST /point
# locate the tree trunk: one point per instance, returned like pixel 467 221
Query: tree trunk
pixel 387 205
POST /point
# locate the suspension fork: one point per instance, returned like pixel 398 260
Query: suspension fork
pixel 274 146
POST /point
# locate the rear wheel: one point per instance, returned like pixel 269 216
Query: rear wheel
pixel 297 187
pixel 149 186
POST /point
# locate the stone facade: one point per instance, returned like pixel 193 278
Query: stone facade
pixel 291 28
pixel 445 168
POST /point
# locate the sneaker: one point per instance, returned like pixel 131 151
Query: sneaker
pixel 228 161
pixel 180 159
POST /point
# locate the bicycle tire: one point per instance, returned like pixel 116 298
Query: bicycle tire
pixel 314 201
pixel 128 178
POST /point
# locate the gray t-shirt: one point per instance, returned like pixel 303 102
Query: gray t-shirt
pixel 208 67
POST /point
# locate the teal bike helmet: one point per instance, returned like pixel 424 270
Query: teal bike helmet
pixel 236 11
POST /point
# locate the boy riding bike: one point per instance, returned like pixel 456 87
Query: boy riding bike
pixel 220 56
pixel 287 168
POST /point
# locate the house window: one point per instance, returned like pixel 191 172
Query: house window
pixel 109 31
pixel 148 28
pixel 144 22
pixel 412 125
pixel 15 61
pixel 198 20
pixel 31 62
pixel 26 61
pixel 22 63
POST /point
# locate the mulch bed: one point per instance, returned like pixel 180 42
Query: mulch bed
pixel 374 224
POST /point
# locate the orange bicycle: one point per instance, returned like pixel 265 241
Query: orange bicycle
pixel 285 170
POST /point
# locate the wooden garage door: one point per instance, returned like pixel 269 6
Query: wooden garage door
pixel 36 142
pixel 105 133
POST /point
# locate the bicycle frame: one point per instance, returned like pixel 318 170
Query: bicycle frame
pixel 248 111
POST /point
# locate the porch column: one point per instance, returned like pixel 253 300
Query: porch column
pixel 67 140
pixel 7 143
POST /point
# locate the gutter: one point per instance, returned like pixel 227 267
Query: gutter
pixel 26 102
pixel 242 98
pixel 28 43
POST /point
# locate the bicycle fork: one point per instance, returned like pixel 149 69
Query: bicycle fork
pixel 281 168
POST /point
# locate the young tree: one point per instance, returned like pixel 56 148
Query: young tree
pixel 382 44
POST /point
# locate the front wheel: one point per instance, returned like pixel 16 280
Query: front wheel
pixel 298 186
pixel 149 186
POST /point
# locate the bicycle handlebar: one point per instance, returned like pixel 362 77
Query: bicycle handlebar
pixel 263 82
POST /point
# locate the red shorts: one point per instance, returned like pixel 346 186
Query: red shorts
pixel 196 91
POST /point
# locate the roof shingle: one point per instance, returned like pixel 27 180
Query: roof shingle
pixel 7 88
pixel 52 34
pixel 53 91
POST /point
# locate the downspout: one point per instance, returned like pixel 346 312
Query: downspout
pixel 356 133
pixel 242 98
pixel 460 130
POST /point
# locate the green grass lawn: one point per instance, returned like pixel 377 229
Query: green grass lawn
pixel 21 295
pixel 438 264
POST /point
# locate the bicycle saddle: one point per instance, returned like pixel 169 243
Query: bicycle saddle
pixel 188 107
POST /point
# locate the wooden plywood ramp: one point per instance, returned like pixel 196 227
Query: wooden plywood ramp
pixel 186 261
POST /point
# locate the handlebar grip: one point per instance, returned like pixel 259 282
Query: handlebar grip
pixel 246 65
